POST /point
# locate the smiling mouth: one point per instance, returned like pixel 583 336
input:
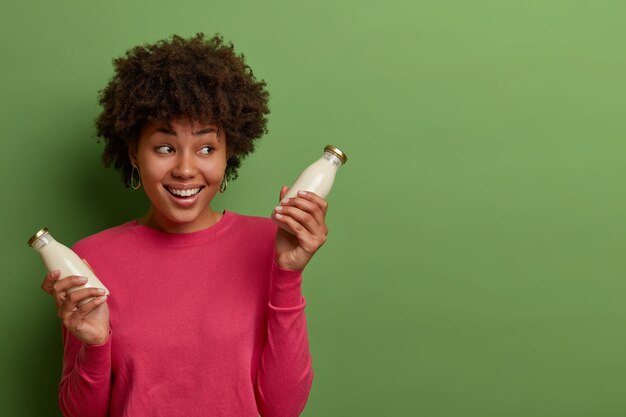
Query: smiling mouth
pixel 191 192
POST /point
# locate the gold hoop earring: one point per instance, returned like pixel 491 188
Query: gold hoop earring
pixel 224 185
pixel 133 185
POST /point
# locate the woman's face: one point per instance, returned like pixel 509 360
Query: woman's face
pixel 182 165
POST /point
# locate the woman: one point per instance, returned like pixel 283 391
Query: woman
pixel 205 315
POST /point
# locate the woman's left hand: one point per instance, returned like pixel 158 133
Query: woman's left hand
pixel 302 228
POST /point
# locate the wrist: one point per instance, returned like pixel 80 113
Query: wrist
pixel 288 263
pixel 287 266
pixel 286 288
pixel 99 341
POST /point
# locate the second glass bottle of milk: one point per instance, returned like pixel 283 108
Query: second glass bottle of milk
pixel 58 256
pixel 320 175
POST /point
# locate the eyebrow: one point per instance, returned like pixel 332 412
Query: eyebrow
pixel 205 131
pixel 170 130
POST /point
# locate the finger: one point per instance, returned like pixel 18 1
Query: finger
pixel 76 320
pixel 62 286
pixel 67 283
pixel 283 191
pixel 289 224
pixel 308 206
pixel 281 224
pixel 322 202
pixel 309 196
pixel 308 212
pixel 66 309
pixel 83 310
pixel 307 241
pixel 72 301
pixel 76 297
pixel 47 285
pixel 303 218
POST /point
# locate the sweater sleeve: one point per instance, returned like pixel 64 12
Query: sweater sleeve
pixel 285 374
pixel 85 385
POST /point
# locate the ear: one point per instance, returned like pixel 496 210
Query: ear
pixel 132 153
pixel 221 138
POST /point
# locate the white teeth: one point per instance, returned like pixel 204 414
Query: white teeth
pixel 184 193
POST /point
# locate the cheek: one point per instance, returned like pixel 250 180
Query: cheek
pixel 216 171
pixel 151 175
pixel 214 176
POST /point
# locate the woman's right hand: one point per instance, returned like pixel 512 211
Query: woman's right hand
pixel 88 322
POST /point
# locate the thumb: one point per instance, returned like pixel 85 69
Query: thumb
pixel 283 191
pixel 87 263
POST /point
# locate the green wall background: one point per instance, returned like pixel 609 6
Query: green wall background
pixel 475 263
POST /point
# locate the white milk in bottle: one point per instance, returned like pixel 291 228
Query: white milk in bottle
pixel 58 256
pixel 320 175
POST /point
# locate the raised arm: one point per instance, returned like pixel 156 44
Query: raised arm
pixel 86 381
pixel 285 374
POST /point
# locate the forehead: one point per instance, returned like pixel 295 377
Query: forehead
pixel 179 127
pixel 181 124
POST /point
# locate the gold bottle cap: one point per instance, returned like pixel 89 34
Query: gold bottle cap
pixel 340 154
pixel 37 235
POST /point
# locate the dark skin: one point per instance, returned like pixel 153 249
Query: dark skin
pixel 89 322
pixel 302 228
pixel 301 232
pixel 197 77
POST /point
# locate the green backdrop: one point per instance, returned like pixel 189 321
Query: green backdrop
pixel 474 265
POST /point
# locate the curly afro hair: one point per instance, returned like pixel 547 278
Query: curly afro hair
pixel 199 79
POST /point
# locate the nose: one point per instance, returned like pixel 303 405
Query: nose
pixel 185 166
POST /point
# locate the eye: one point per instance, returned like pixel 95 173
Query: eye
pixel 207 150
pixel 164 149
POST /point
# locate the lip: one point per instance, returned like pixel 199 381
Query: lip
pixel 183 186
pixel 186 201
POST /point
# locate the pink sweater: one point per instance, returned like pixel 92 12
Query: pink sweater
pixel 202 324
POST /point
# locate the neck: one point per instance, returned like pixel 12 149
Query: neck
pixel 154 220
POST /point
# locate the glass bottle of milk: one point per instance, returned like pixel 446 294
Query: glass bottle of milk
pixel 320 175
pixel 58 256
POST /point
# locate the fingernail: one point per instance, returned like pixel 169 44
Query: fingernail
pixel 279 216
pixel 284 201
pixel 103 298
pixel 55 273
pixel 82 279
pixel 278 208
pixel 302 193
pixel 101 291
